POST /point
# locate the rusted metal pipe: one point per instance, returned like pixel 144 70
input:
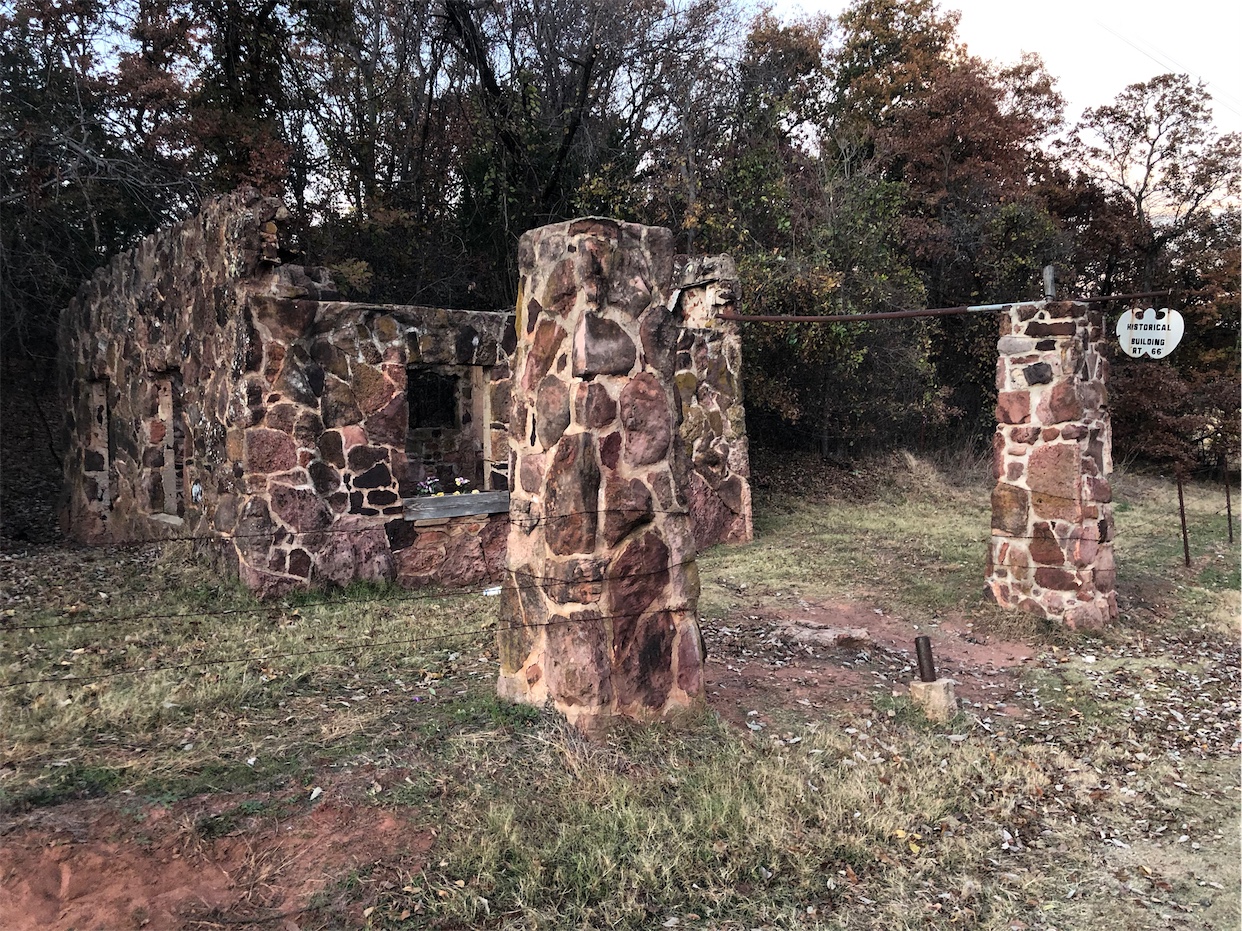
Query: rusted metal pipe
pixel 927 665
pixel 1224 467
pixel 1181 510
pixel 935 311
pixel 885 315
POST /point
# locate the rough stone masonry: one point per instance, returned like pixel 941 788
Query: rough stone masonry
pixel 1052 524
pixel 221 394
pixel 598 611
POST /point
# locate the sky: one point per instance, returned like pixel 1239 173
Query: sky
pixel 1095 48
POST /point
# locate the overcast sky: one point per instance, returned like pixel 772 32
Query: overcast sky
pixel 1097 47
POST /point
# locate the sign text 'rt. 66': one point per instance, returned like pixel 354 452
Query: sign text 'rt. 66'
pixel 1152 333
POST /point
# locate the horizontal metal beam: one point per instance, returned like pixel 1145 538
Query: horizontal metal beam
pixel 885 315
pixel 938 311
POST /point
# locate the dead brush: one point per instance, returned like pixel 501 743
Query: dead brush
pixel 259 873
pixel 943 478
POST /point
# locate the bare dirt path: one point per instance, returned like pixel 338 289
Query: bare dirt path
pixel 765 659
pixel 207 862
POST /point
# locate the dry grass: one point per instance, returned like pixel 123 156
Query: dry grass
pixel 877 820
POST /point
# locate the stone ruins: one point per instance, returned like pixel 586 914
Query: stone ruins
pixel 1052 524
pixel 219 394
pixel 599 609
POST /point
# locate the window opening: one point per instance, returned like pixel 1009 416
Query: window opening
pixel 432 398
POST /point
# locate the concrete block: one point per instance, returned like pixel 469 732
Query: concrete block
pixel 935 699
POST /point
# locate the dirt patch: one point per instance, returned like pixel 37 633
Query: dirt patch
pixel 201 863
pixel 755 665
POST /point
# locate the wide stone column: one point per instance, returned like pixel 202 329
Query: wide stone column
pixel 1052 526
pixel 598 612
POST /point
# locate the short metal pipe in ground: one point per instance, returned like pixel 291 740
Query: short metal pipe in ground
pixel 927 664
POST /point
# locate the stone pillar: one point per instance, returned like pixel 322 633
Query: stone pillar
pixel 709 391
pixel 598 612
pixel 1052 525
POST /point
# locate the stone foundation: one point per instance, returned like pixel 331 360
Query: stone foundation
pixel 1052 527
pixel 598 613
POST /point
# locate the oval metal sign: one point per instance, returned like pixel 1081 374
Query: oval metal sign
pixel 1149 332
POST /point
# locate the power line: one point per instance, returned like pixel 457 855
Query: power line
pixel 1220 96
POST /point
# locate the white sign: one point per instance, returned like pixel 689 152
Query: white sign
pixel 1152 333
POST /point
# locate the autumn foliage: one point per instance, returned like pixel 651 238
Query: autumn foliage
pixel 859 164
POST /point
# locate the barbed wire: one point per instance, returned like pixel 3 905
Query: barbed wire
pixel 524 523
pixel 537 582
pixel 586 618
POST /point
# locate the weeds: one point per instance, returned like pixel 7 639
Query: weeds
pixel 872 819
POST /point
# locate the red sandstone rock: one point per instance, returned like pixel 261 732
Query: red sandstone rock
pixel 610 450
pixel 1054 469
pixel 1045 548
pixel 560 290
pixel 389 425
pixel 325 478
pixel 691 655
pixel 1098 489
pixel 1056 579
pixel 572 489
pixel 332 448
pixel 627 504
pixel 551 411
pixel 531 472
pixel 269 450
pixel 594 407
pixel 647 419
pixel 1010 509
pixel 642 672
pixel 1057 507
pixel 1013 407
pixel 1060 404
pixel 465 563
pixel 549 336
pixel 361 458
pixel 601 347
pixel 1084 617
pixel 300 508
pixel 578 664
pixel 637 576
pixel 372 390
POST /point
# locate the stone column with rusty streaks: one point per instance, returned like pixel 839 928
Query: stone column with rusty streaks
pixel 1052 525
pixel 599 607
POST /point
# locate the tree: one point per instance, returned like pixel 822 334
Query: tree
pixel 890 53
pixel 1167 212
pixel 976 228
pixel 1154 151
pixel 88 162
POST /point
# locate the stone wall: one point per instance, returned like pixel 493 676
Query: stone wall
pixel 1052 527
pixel 220 395
pixel 343 370
pixel 709 392
pixel 169 314
pixel 598 613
